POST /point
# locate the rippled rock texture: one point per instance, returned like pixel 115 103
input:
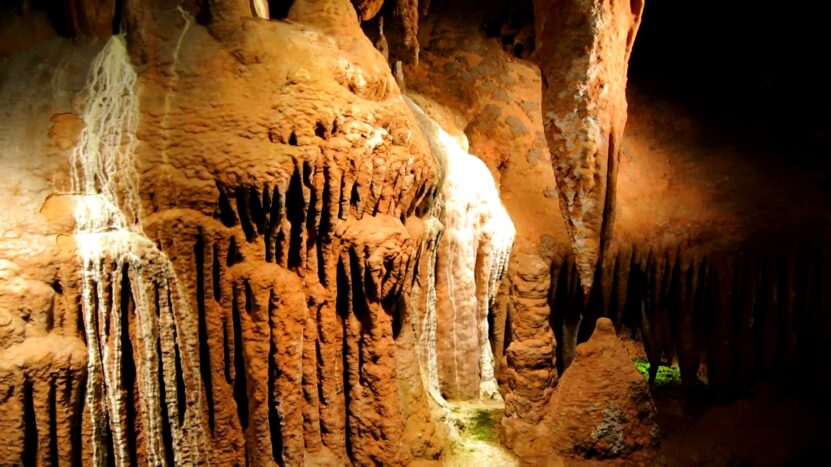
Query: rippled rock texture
pixel 334 215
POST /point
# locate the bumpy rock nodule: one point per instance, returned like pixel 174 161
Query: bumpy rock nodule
pixel 600 411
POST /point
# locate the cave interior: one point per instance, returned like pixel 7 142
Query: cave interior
pixel 403 232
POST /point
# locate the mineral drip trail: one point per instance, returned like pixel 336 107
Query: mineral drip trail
pixel 472 258
pixel 111 245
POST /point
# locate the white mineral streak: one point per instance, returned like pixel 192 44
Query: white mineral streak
pixel 260 9
pixel 174 81
pixel 111 242
pixel 425 326
pixel 478 236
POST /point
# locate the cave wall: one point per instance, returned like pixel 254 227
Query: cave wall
pixel 706 264
pixel 299 203
pixel 283 179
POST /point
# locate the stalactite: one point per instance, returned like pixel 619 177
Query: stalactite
pixel 259 9
pixel 373 269
pixel 729 318
pixel 585 112
pixel 686 343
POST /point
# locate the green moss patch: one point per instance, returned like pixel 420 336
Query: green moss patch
pixel 482 426
pixel 667 375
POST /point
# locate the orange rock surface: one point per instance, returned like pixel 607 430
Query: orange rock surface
pixel 250 232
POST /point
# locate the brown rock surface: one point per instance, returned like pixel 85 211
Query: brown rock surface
pixel 583 49
pixel 325 167
pixel 282 210
pixel 601 411
pixel 300 245
pixel 528 374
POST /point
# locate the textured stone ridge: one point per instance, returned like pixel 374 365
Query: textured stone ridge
pixel 283 178
pixel 583 51
pixel 528 375
pixel 600 412
pixel 310 169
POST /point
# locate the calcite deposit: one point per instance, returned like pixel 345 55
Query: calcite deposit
pixel 472 257
pixel 310 232
pixel 583 51
pixel 601 412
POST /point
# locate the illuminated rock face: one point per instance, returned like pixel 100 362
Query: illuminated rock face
pixel 242 243
pixel 601 410
pixel 472 257
pixel 121 269
pixel 301 223
pixel 290 213
pixel 583 51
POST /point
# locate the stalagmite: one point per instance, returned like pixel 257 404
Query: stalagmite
pixel 407 10
pixel 601 411
pixel 529 372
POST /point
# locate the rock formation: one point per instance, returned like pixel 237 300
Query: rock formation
pixel 600 412
pixel 471 260
pixel 529 371
pixel 274 339
pixel 583 48
pixel 232 236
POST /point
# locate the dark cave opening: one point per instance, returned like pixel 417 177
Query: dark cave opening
pixel 296 214
pixel 748 67
pixel 245 215
pixel 342 308
pixel 30 437
pixel 118 16
pixel 279 9
pixel 164 404
pixel 240 375
pixel 128 369
pixel 274 419
pixel 201 296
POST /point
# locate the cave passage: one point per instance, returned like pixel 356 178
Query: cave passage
pixel 392 232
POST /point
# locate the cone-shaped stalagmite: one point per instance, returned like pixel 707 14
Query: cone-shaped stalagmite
pixel 583 49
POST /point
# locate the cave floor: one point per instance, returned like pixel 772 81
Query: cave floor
pixel 478 422
pixel 769 427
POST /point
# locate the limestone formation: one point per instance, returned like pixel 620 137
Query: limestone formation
pixel 232 236
pixel 601 411
pixel 528 372
pixel 583 48
pixel 276 335
pixel 472 256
